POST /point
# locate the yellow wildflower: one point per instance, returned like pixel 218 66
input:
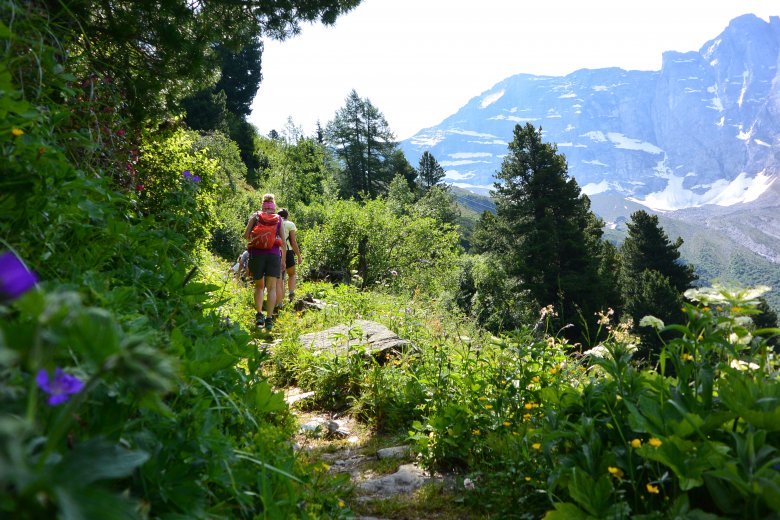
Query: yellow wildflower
pixel 536 446
pixel 653 489
pixel 616 472
pixel 515 433
pixel 475 432
pixel 687 357
pixel 535 379
pixel 636 443
pixel 488 406
pixel 527 417
pixel 341 503
pixel 528 479
pixel 553 371
pixel 655 443
pixel 17 132
pixel 507 423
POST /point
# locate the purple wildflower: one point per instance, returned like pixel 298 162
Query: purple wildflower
pixel 15 278
pixel 60 388
pixel 196 178
pixel 187 174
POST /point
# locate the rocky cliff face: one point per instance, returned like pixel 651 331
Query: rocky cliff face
pixel 705 129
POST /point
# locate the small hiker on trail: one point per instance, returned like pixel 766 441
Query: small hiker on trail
pixel 241 267
pixel 293 252
pixel 266 261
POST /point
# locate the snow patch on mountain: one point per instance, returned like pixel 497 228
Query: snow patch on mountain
pixel 429 139
pixel 491 98
pixel 628 143
pixel 469 155
pixel 462 162
pixel 455 175
pixel 593 188
pixel 514 119
pixel 722 192
pixel 470 133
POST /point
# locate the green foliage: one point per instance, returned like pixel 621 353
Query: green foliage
pixel 439 204
pixel 171 416
pixel 367 240
pixel 179 184
pixel 488 295
pixel 298 171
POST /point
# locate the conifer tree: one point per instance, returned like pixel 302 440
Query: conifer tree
pixel 364 143
pixel 652 277
pixel 553 240
pixel 429 171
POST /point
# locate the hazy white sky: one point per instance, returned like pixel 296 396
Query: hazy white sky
pixel 419 61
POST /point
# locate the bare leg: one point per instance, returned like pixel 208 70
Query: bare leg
pixel 270 282
pixel 291 280
pixel 279 291
pixel 259 287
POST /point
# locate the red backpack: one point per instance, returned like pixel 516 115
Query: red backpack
pixel 264 234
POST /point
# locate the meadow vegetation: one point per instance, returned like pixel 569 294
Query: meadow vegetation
pixel 133 385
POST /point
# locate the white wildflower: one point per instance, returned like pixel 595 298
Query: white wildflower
pixel 742 365
pixel 651 321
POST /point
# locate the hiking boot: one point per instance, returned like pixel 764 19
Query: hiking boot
pixel 269 323
pixel 292 295
pixel 259 319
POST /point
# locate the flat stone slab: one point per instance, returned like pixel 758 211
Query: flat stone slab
pixel 396 452
pixel 374 337
pixel 406 480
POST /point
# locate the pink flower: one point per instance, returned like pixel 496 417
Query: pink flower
pixel 120 132
pixel 139 188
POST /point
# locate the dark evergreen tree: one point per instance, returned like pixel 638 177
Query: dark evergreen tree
pixel 553 241
pixel 648 247
pixel 487 235
pixel 363 143
pixel 652 277
pixel 399 165
pixel 429 171
pixel 240 77
pixel 207 111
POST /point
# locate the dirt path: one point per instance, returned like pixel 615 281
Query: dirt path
pixel 386 481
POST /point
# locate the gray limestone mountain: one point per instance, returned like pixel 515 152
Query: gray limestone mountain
pixel 705 129
pixel 697 141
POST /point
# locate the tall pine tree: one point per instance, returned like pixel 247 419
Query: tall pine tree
pixel 429 171
pixel 365 145
pixel 652 277
pixel 554 241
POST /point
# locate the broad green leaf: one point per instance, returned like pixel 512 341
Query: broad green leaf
pixel 687 459
pixel 97 460
pixel 266 400
pixel 88 503
pixel 566 511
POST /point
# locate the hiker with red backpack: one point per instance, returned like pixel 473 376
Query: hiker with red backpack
pixel 267 252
